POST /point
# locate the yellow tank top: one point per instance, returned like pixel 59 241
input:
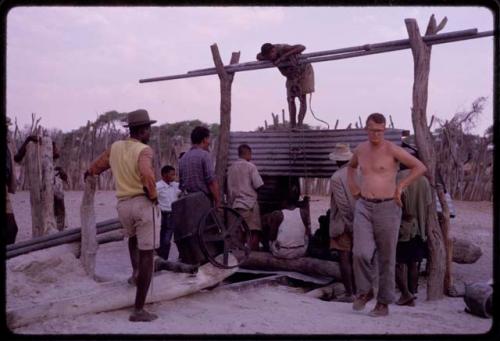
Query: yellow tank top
pixel 123 160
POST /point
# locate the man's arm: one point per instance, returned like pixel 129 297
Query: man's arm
pixel 257 181
pixel 351 174
pixel 22 151
pixel 99 165
pixel 290 53
pixel 343 203
pixel 213 186
pixel 416 167
pixel 147 174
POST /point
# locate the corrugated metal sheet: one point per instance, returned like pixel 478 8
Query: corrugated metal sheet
pixel 299 153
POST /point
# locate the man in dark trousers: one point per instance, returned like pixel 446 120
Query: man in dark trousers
pixel 299 77
pixel 131 162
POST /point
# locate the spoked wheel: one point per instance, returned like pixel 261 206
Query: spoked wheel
pixel 224 231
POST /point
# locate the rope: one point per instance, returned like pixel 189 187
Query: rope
pixel 312 112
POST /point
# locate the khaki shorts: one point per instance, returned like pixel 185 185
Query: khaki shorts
pixel 136 217
pixel 252 217
pixel 342 242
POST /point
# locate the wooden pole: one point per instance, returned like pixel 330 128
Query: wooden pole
pixel 87 214
pixel 357 51
pixel 226 80
pixel 421 54
pixel 40 169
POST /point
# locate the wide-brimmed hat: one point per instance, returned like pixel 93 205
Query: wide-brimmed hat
pixel 138 117
pixel 341 152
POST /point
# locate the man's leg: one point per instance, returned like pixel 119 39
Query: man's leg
pixel 362 253
pixel 413 277
pixel 254 240
pixel 134 259
pixel 143 281
pixel 302 109
pixel 387 219
pixel 11 229
pixel 293 111
pixel 164 248
pixel 346 272
pixel 402 283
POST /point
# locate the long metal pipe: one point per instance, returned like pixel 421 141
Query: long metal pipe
pixel 356 51
pixel 58 239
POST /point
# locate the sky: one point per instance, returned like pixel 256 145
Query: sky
pixel 70 64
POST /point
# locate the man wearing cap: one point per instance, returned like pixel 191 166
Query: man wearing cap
pixel 299 77
pixel 341 218
pixel 131 162
pixel 377 213
pixel 10 233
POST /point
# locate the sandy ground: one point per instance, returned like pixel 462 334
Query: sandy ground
pixel 268 309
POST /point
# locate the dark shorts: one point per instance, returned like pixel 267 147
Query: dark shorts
pixel 411 251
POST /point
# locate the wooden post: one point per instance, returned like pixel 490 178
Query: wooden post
pixel 421 55
pixel 40 173
pixel 226 80
pixel 87 215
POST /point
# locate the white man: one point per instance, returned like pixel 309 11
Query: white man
pixel 131 162
pixel 377 214
pixel 243 180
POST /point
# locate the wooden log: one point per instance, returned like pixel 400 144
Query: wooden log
pixel 87 214
pixel 120 294
pixel 306 265
pixel 465 251
pixel 226 80
pixel 421 56
pixel 40 169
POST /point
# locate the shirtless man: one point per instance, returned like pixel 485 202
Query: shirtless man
pixel 377 212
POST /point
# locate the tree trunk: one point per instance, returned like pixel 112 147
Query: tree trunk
pixel 226 80
pixel 306 265
pixel 421 55
pixel 40 168
pixel 87 214
pixel 119 295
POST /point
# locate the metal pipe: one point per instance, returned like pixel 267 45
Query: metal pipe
pixel 68 232
pixel 68 238
pixel 357 51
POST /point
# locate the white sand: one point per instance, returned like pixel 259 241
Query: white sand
pixel 269 309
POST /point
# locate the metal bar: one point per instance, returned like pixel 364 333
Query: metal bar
pixel 349 52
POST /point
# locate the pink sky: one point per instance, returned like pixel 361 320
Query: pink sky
pixel 71 64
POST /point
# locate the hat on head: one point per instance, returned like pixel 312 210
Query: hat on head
pixel 341 152
pixel 138 117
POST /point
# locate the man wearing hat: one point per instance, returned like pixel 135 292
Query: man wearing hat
pixel 11 228
pixel 131 162
pixel 341 218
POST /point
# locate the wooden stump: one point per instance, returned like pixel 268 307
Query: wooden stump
pixel 87 214
pixel 479 299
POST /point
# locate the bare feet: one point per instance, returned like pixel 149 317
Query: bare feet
pixel 409 301
pixel 142 316
pixel 380 309
pixel 361 300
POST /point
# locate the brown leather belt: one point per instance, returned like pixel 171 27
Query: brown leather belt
pixel 376 200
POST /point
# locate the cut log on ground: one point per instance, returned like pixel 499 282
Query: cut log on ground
pixel 119 295
pixel 307 265
pixel 465 251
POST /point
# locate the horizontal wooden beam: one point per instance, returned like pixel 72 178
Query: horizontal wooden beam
pixel 343 53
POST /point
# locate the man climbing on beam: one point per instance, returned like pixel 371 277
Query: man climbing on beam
pixel 299 77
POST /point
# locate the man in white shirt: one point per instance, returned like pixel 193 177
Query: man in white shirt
pixel 243 180
pixel 168 192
